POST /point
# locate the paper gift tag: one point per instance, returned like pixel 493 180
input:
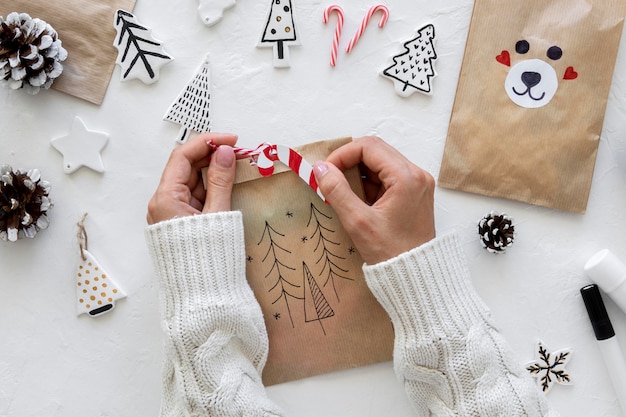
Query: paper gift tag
pixel 96 292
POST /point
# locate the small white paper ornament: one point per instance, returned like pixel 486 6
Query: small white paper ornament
pixel 81 147
pixel 139 54
pixel 96 291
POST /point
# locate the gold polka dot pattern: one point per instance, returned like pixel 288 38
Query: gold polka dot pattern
pixel 96 292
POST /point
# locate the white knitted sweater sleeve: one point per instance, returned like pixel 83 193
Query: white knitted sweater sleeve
pixel 215 339
pixel 450 357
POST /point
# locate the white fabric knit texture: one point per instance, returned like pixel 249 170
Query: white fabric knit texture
pixel 448 353
pixel 451 358
pixel 216 343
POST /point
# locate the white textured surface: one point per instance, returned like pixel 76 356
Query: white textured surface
pixel 53 363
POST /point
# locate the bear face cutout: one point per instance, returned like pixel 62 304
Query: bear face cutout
pixel 533 82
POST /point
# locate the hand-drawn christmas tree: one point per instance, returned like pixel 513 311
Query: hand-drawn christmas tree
pixel 149 52
pixel 316 307
pixel 191 107
pixel 328 259
pixel 280 31
pixel 414 66
pixel 286 290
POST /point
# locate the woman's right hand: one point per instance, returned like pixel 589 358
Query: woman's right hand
pixel 398 214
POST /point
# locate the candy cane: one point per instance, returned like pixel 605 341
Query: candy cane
pixel 265 154
pixel 339 11
pixel 292 159
pixel 383 20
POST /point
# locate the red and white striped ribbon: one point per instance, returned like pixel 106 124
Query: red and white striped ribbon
pixel 266 154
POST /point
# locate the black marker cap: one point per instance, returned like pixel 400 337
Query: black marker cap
pixel 602 326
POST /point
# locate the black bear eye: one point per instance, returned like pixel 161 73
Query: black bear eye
pixel 554 53
pixel 521 47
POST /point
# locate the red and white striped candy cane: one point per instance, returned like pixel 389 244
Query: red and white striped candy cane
pixel 339 11
pixel 383 20
pixel 289 157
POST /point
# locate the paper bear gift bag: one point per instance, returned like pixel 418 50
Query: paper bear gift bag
pixel 307 276
pixel 531 99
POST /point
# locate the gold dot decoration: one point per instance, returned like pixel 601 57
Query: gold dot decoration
pixel 96 292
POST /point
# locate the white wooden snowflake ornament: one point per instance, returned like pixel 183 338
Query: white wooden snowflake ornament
pixel 81 147
pixel 139 54
pixel 96 292
pixel 549 368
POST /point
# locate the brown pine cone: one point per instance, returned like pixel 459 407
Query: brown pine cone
pixel 496 232
pixel 30 53
pixel 24 203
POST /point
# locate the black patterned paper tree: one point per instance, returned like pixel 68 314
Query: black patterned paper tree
pixel 140 55
pixel 280 32
pixel 412 69
pixel 280 285
pixel 191 107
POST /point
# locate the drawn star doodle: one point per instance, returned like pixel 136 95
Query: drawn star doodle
pixel 276 316
pixel 304 239
pixel 352 250
pixel 550 367
pixel 289 214
pixel 249 258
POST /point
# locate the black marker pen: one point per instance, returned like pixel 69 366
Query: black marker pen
pixel 609 347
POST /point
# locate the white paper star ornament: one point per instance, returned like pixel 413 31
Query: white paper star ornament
pixel 81 147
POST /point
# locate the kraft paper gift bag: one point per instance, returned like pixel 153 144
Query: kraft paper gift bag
pixel 531 99
pixel 86 29
pixel 306 275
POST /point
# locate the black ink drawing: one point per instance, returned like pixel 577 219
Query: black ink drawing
pixel 414 66
pixel 550 367
pixel 327 258
pixel 276 316
pixel 280 284
pixel 316 306
pixel 148 51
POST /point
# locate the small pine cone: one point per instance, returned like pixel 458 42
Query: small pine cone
pixel 496 231
pixel 24 203
pixel 30 53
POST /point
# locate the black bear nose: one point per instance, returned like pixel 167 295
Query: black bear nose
pixel 531 79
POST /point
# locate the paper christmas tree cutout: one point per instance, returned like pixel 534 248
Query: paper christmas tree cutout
pixel 140 55
pixel 412 70
pixel 280 32
pixel 192 106
pixel 96 292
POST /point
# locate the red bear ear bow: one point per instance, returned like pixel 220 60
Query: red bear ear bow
pixel 505 59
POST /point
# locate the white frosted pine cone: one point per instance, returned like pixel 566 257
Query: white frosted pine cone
pixel 30 53
pixel 24 203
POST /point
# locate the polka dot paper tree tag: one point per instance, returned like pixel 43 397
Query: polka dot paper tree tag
pixel 96 292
